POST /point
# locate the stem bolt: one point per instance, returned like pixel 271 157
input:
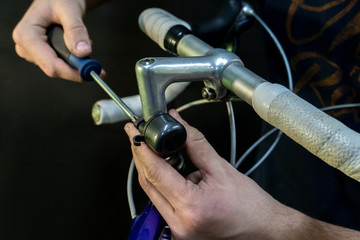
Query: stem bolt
pixel 208 93
pixel 147 61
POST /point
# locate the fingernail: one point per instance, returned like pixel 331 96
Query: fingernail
pixel 126 128
pixel 82 47
pixel 103 74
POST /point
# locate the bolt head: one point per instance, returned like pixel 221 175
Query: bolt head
pixel 208 93
pixel 147 61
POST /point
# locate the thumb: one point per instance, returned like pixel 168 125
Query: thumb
pixel 75 33
pixel 201 153
pixel 77 39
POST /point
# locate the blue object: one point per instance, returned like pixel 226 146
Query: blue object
pixel 55 35
pixel 166 234
pixel 85 66
pixel 148 225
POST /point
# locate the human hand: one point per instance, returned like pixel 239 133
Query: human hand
pixel 215 202
pixel 31 40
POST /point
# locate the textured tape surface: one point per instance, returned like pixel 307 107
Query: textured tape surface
pixel 263 96
pixel 319 133
pixel 156 22
pixel 107 111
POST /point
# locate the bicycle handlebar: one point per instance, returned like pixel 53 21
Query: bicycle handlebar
pixel 107 111
pixel 322 135
pixel 156 24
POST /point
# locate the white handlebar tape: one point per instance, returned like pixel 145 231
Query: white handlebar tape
pixel 107 111
pixel 322 135
pixel 156 22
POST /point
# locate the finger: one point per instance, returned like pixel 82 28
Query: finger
pixel 52 65
pixel 157 172
pixel 201 153
pixel 103 74
pixel 22 53
pixel 76 36
pixel 195 177
pixel 44 56
pixel 165 208
pixel 75 33
pixel 31 43
pixel 162 204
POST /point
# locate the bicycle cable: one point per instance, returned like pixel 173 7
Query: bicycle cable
pixel 260 140
pixel 247 152
pixel 129 190
pixel 129 187
pixel 250 12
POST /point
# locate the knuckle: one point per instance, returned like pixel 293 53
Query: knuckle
pixel 77 28
pixel 50 71
pixel 19 51
pixel 198 138
pixel 189 198
pixel 196 219
pixel 152 174
pixel 135 149
pixel 194 212
pixel 74 33
pixel 16 35
pixel 143 181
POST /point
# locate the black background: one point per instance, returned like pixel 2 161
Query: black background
pixel 62 177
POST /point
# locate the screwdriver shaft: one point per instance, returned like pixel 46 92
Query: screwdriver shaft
pixel 113 96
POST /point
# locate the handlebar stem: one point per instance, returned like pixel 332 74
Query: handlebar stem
pixel 154 75
pixel 237 78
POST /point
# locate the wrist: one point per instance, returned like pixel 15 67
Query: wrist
pixel 286 223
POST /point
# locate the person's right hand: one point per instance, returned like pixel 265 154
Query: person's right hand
pixel 31 39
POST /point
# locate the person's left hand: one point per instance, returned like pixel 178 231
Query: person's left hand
pixel 215 202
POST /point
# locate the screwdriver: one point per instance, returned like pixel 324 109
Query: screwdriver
pixel 89 69
pixel 164 134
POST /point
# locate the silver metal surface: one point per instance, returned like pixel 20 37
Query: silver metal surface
pixel 235 76
pixel 155 74
pixel 191 46
pixel 241 81
pixel 114 97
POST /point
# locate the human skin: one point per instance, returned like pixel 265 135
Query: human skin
pixel 218 202
pixel 30 37
pixel 215 202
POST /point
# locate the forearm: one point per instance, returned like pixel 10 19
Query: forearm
pixel 322 230
pixel 299 226
pixel 217 202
